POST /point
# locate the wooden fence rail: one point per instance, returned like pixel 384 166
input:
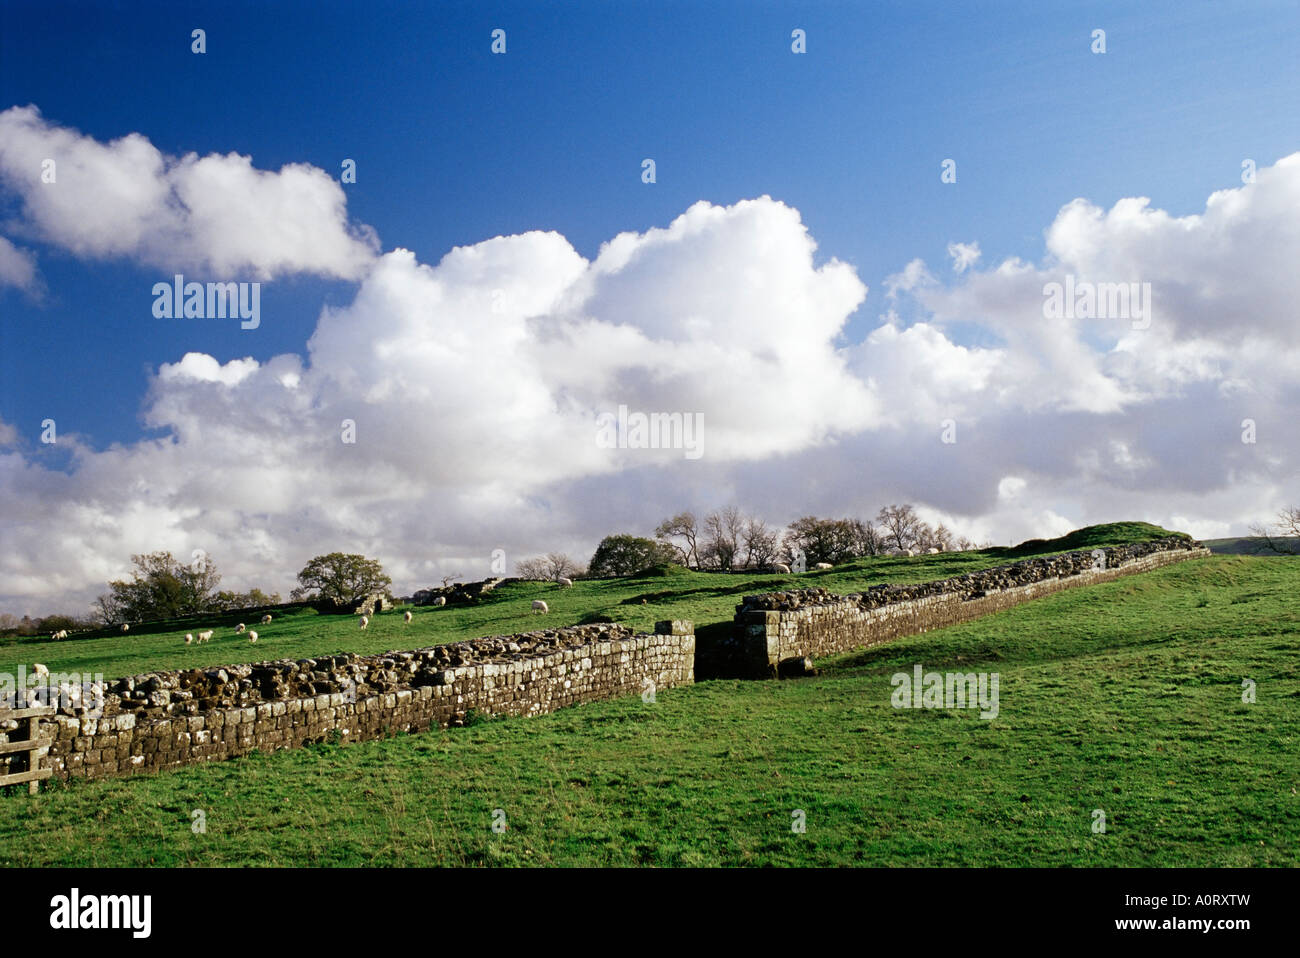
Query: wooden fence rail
pixel 34 746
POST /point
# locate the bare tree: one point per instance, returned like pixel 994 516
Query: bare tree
pixel 558 565
pixel 901 524
pixel 761 542
pixel 722 535
pixel 531 568
pixel 552 566
pixel 1282 537
pixel 681 526
pixel 866 538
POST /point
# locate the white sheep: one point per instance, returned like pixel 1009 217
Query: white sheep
pixel 823 565
pixel 189 638
pixel 365 621
pixel 204 636
pixel 61 634
pixel 406 616
pixel 38 669
pixel 266 619
pixel 909 552
pixel 781 567
pixel 125 627
pixel 564 583
pixel 252 636
pixel 240 628
pixel 441 600
pixel 540 606
pixel 933 551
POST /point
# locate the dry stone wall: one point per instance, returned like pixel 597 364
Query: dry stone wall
pixel 170 719
pixel 789 626
pixel 163 720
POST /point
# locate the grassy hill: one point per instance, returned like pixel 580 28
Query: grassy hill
pixel 1124 697
pixel 1093 537
pixel 1251 545
pixel 708 599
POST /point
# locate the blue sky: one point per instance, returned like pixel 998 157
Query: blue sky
pixel 455 145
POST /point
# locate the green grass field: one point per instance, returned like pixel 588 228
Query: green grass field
pixel 1124 697
pixel 705 598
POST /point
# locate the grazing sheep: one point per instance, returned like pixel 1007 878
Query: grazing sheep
pixel 564 583
pixel 189 638
pixel 38 669
pixel 406 616
pixel 240 628
pixel 781 567
pixel 204 636
pixel 125 627
pixel 365 621
pixel 252 636
pixel 61 634
pixel 266 619
pixel 823 565
pixel 540 606
pixel 441 600
pixel 933 551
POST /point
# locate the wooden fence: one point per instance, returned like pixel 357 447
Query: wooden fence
pixel 35 747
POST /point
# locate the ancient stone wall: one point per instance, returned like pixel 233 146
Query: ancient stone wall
pixel 784 626
pixel 169 719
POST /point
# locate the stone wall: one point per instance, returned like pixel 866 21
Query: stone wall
pixel 810 623
pixel 169 719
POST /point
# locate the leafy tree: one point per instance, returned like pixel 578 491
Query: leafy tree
pixel 160 588
pixel 822 540
pixel 253 599
pixel 342 578
pixel 627 554
pixel 56 623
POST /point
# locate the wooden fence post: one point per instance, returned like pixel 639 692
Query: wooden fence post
pixel 35 747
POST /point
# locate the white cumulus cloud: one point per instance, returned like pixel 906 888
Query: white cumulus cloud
pixel 217 213
pixel 474 385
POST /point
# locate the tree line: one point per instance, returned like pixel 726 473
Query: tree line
pixel 162 587
pixel 724 540
pixel 729 539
